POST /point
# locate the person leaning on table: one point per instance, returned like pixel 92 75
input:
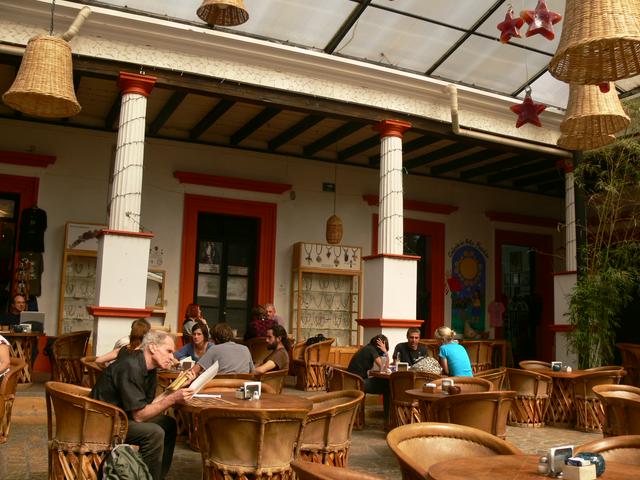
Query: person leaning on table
pixel 453 356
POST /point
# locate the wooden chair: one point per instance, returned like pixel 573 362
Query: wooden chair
pixel 630 353
pixel 433 346
pixel 85 431
pixel 296 353
pixel 480 354
pixel 340 379
pixel 467 384
pixel 497 376
pixel 604 368
pixel 589 408
pixel 256 444
pixel 534 365
pixel 327 431
pixel 92 370
pixel 310 371
pixel 8 385
pixel 622 449
pixel 405 409
pixel 258 347
pixel 486 411
pixel 621 404
pixel 67 350
pixel 317 471
pixel 533 390
pixel 420 445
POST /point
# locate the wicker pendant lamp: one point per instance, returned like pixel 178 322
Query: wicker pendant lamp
pixel 591 112
pixel 584 142
pixel 600 42
pixel 228 13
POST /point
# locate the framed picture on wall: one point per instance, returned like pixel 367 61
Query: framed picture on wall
pixel 82 236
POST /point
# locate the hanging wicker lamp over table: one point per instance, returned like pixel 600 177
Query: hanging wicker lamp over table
pixel 600 42
pixel 591 112
pixel 584 142
pixel 229 13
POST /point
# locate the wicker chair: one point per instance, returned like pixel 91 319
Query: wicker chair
pixel 486 411
pixel 339 379
pixel 405 409
pixel 623 449
pixel 258 347
pixel 317 471
pixel 67 350
pixel 420 445
pixel 310 371
pixel 257 444
pixel 468 384
pixel 533 390
pixel 327 432
pixel 534 365
pixel 8 384
pixel 604 368
pixel 85 430
pixel 621 405
pixel 630 353
pixel 497 376
pixel 92 370
pixel 589 409
pixel 480 354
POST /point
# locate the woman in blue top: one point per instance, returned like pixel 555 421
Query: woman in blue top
pixel 453 356
pixel 198 345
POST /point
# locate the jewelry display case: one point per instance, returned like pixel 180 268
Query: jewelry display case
pixel 326 285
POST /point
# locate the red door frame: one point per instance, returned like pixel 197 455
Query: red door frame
pixel 545 349
pixel 266 214
pixel 434 230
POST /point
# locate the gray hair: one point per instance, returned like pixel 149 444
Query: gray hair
pixel 154 337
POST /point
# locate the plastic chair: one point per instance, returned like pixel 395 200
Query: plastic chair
pixel 8 385
pixel 622 449
pixel 497 376
pixel 621 404
pixel 589 408
pixel 534 365
pixel 405 409
pixel 85 431
pixel 340 379
pixel 486 411
pixel 317 471
pixel 67 350
pixel 92 370
pixel 310 371
pixel 533 390
pixel 327 432
pixel 630 353
pixel 420 445
pixel 467 384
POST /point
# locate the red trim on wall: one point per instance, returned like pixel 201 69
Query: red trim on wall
pixel 266 213
pixel 125 233
pixel 562 328
pixel 434 230
pixel 568 272
pixel 416 205
pixel 522 219
pixel 119 312
pixel 234 183
pixel 389 322
pixel 136 83
pixel 27 159
pixel 392 128
pixel 391 255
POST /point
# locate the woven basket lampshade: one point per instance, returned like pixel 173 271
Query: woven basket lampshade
pixel 584 142
pixel 334 230
pixel 591 112
pixel 44 84
pixel 600 42
pixel 223 12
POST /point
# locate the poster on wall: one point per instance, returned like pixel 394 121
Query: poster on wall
pixel 467 284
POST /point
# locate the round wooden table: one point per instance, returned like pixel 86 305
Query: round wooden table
pixel 513 467
pixel 21 346
pixel 561 411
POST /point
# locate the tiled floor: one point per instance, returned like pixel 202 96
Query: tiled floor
pixel 24 456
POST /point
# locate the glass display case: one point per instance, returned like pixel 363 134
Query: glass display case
pixel 326 283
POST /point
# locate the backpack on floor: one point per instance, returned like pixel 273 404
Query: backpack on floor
pixel 123 462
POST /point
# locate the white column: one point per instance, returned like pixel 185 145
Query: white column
pixel 570 218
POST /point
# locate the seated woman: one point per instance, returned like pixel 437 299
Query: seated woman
pixel 139 329
pixel 260 324
pixel 453 356
pixel 198 345
pixel 192 316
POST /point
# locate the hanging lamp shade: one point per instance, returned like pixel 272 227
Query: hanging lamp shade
pixel 593 113
pixel 223 12
pixel 43 86
pixel 600 42
pixel 334 230
pixel 584 142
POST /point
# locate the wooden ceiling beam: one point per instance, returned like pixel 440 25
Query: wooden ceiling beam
pixel 472 159
pixel 167 110
pixel 254 124
pixel 494 167
pixel 359 147
pixel 436 155
pixel 210 118
pixel 292 132
pixel 541 178
pixel 530 168
pixel 332 137
pixel 416 144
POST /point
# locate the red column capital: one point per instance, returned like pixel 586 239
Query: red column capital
pixel 135 83
pixel 565 164
pixel 392 128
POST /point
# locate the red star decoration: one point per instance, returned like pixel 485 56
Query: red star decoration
pixel 541 20
pixel 528 111
pixel 509 28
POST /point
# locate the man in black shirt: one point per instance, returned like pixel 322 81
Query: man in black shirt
pixel 12 317
pixel 410 350
pixel 130 383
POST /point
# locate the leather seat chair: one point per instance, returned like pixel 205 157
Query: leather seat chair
pixel 67 351
pixel 316 471
pixel 589 408
pixel 340 379
pixel 8 385
pixel 256 444
pixel 92 370
pixel 274 378
pixel 327 432
pixel 310 371
pixel 486 411
pixel 405 409
pixel 497 376
pixel 622 449
pixel 533 390
pixel 480 354
pixel 85 431
pixel 468 384
pixel 621 405
pixel 258 347
pixel 419 445
pixel 630 353
pixel 534 365
pixel 433 346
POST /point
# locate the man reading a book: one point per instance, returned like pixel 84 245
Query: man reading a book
pixel 130 383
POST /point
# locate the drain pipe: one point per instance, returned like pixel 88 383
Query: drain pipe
pixel 488 137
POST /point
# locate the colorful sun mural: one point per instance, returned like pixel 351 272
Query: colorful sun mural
pixel 467 284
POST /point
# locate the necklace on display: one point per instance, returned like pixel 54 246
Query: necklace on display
pixel 324 283
pixel 354 257
pixel 308 252
pixel 308 282
pixel 318 252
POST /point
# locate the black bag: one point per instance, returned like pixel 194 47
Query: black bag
pixel 123 462
pixel 318 338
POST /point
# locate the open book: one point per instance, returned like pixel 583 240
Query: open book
pixel 198 383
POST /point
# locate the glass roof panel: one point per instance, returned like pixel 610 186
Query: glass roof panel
pixel 549 91
pixel 169 8
pixel 464 14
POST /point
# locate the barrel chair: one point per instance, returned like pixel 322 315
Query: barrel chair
pixel 420 445
pixel 259 349
pixel 630 353
pixel 533 390
pixel 534 365
pixel 8 385
pixel 467 384
pixel 85 431
pixel 621 404
pixel 589 408
pixel 67 351
pixel 327 432
pixel 433 346
pixel 405 409
pixel 622 449
pixel 317 471
pixel 311 369
pixel 497 376
pixel 92 370
pixel 340 379
pixel 480 354
pixel 273 378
